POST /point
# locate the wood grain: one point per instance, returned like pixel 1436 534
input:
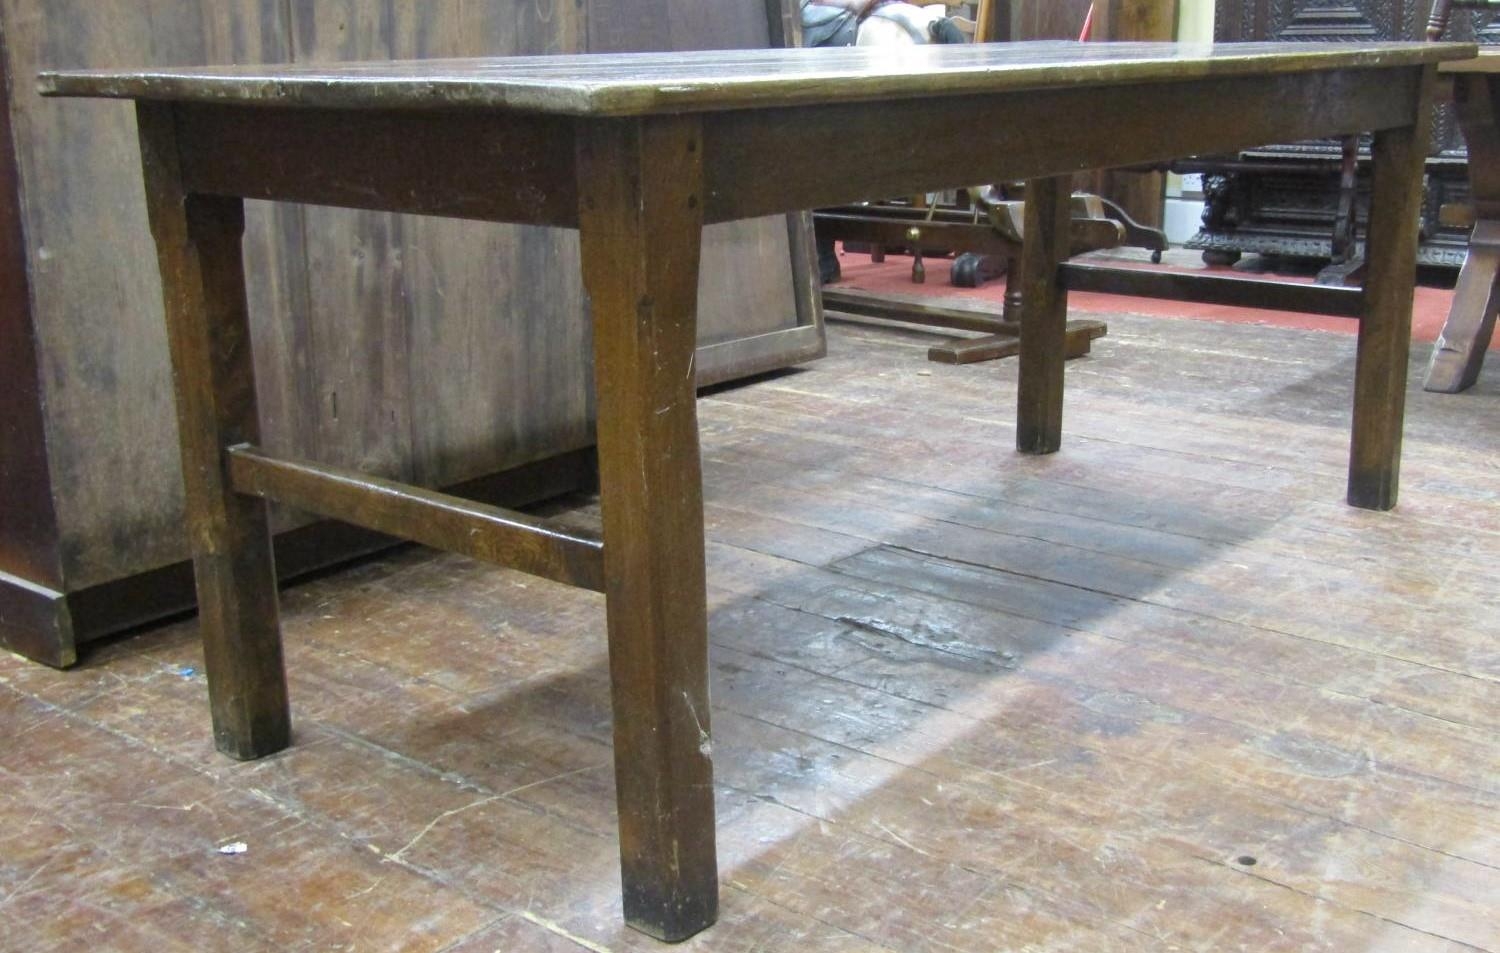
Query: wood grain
pixel 641 211
pixel 208 330
pixel 1014 135
pixel 1044 316
pixel 430 350
pixel 1385 328
pixel 1460 350
pixel 1231 290
pixel 505 537
pixel 620 85
pixel 28 521
pixel 888 779
pixel 96 311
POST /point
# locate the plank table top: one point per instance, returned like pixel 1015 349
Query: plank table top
pixel 634 84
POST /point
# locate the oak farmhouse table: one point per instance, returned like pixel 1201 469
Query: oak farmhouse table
pixel 638 152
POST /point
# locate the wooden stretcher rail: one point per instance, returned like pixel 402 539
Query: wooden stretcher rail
pixel 868 305
pixel 1088 234
pixel 1003 338
pixel 1330 300
pixel 479 530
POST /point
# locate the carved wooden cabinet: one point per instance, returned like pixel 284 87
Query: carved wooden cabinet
pixel 432 351
pixel 1282 199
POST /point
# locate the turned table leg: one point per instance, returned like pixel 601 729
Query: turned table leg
pixel 203 289
pixel 640 217
pixel 1385 327
pixel 1044 314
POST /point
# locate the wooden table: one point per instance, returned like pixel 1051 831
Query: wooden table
pixel 1459 352
pixel 638 152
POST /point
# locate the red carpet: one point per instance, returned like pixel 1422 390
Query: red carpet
pixel 1429 311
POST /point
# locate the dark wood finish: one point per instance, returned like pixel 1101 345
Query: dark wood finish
pixel 919 310
pixel 1044 316
pixel 749 178
pixel 479 530
pixel 1461 346
pixel 893 227
pixel 1459 353
pixel 715 80
pixel 28 520
pixel 963 698
pixel 991 242
pixel 1281 207
pixel 1078 340
pixel 387 169
pixel 646 186
pixel 208 330
pixel 744 327
pixel 1232 290
pixel 641 209
pixel 35 620
pixel 313 548
pixel 1138 193
pixel 1385 328
pixel 427 350
pixel 1002 335
pixel 1437 22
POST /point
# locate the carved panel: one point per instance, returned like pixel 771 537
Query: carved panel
pixel 1291 212
pixel 1319 19
pixel 1328 21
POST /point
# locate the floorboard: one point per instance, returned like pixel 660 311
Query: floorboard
pixel 1159 691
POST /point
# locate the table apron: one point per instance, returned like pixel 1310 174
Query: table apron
pixel 521 167
pixel 500 167
pixel 763 161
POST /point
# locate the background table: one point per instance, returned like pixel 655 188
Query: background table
pixel 1458 354
pixel 639 153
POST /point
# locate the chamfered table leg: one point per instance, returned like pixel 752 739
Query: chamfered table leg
pixel 1044 314
pixel 203 288
pixel 641 218
pixel 1385 327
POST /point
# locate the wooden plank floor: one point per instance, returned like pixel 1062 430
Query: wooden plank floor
pixel 1162 691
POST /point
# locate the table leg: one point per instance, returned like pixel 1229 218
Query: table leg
pixel 1385 328
pixel 1044 314
pixel 203 289
pixel 641 217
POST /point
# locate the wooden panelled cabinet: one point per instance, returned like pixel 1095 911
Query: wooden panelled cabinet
pixel 388 331
pixel 1282 199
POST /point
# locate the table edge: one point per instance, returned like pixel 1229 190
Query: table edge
pixel 630 98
